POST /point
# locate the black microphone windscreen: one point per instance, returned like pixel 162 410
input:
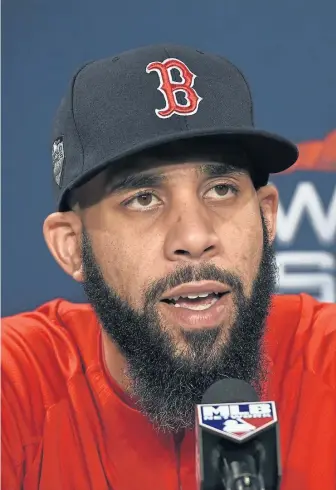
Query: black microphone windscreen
pixel 229 390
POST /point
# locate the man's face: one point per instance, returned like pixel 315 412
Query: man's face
pixel 179 268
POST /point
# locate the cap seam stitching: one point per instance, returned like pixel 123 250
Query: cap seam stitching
pixel 73 112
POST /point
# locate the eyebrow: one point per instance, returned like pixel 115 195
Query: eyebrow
pixel 135 181
pixel 220 169
pixel 140 180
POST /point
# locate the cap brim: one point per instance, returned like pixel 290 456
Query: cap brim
pixel 269 153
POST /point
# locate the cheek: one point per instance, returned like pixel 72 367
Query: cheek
pixel 128 262
pixel 242 246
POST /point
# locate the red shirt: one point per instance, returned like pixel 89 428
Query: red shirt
pixel 66 425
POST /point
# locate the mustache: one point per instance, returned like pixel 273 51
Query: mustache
pixel 205 272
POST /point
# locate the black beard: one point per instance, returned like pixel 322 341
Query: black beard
pixel 165 385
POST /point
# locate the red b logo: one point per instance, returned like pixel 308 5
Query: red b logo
pixel 169 88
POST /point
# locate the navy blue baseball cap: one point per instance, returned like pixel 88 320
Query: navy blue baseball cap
pixel 144 98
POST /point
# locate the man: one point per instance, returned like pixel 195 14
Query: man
pixel 165 217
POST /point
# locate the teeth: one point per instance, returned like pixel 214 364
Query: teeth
pixel 198 307
pixel 193 296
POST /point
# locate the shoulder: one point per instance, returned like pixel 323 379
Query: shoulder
pixel 305 310
pixel 302 307
pixel 303 330
pixel 43 349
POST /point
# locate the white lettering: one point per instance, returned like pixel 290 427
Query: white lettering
pixel 323 281
pixel 307 200
pixel 260 409
pixel 211 413
pixel 256 410
pixel 234 411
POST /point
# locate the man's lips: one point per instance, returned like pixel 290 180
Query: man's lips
pixel 195 289
pixel 202 312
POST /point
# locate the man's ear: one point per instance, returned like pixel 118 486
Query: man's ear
pixel 269 200
pixel 62 233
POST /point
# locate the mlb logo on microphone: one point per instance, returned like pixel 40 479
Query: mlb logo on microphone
pixel 237 421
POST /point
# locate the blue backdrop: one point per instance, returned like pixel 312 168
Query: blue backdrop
pixel 287 50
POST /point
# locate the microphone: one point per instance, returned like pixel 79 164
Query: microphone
pixel 237 440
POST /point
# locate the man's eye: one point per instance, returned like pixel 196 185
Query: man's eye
pixel 221 191
pixel 142 201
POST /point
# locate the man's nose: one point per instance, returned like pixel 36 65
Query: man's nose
pixel 192 235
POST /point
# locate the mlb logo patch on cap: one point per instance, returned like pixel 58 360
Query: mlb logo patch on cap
pixel 58 159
